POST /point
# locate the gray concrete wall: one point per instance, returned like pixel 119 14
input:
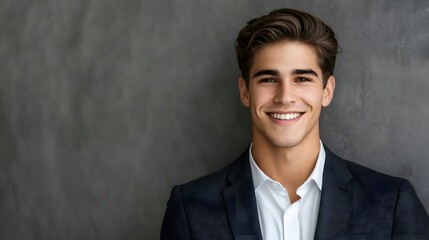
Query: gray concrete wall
pixel 106 104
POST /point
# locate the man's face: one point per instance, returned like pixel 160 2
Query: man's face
pixel 285 94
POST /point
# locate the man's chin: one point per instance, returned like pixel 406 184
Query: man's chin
pixel 284 143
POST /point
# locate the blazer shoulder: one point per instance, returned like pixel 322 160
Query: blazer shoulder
pixel 373 181
pixel 215 182
pixel 372 176
pixel 206 183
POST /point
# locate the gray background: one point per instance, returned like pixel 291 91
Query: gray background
pixel 106 104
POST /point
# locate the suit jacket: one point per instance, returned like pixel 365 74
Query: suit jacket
pixel 356 203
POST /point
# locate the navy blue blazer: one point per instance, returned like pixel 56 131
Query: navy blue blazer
pixel 356 203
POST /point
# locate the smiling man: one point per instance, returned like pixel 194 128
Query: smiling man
pixel 288 185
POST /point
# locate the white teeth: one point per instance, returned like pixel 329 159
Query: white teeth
pixel 285 116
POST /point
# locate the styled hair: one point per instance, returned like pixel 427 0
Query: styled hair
pixel 290 25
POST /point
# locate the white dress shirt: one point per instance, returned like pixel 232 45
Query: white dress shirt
pixel 278 218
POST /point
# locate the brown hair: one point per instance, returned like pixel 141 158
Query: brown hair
pixel 287 24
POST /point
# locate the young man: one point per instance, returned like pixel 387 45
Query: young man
pixel 288 185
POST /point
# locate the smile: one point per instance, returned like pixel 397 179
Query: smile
pixel 285 116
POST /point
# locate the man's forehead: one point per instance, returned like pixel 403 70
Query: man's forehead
pixel 285 56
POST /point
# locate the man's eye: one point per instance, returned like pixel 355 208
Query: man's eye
pixel 268 80
pixel 302 79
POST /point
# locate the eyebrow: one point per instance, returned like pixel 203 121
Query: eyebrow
pixel 305 71
pixel 266 72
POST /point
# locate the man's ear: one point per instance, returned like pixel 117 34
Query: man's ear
pixel 244 92
pixel 328 92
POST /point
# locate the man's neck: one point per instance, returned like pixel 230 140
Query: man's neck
pixel 290 166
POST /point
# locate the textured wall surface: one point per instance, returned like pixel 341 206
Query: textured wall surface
pixel 106 104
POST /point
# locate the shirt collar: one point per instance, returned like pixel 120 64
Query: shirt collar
pixel 259 177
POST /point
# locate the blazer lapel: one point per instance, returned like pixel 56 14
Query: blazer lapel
pixel 240 201
pixel 336 200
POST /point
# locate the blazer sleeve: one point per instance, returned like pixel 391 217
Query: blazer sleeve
pixel 174 225
pixel 410 218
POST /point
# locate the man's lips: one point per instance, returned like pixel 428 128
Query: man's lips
pixel 286 116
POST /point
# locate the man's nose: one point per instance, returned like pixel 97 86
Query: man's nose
pixel 285 93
